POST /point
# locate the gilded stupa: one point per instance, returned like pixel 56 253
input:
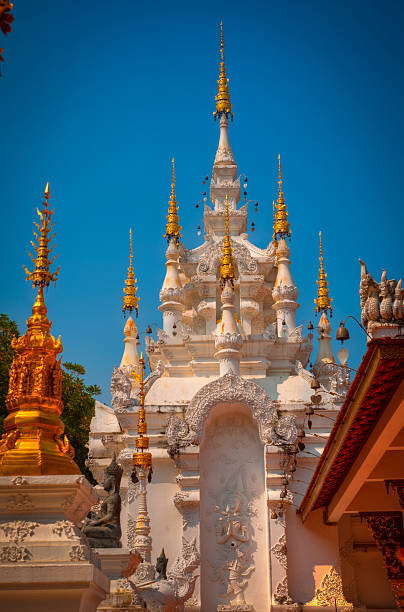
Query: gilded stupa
pixel 34 442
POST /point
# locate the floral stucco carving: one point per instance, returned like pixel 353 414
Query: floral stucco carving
pixel 279 551
pixel 231 388
pixel 17 531
pixel 330 592
pixel 210 260
pixel 14 554
pixel 281 595
pixel 19 502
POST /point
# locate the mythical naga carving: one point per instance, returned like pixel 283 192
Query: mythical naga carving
pixel 171 594
pixel 121 386
pixel 234 389
pixel 381 303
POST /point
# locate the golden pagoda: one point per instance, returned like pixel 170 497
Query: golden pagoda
pixel 223 104
pixel 173 228
pixel 281 225
pixel 33 442
pixel 130 299
pixel 227 270
pixel 323 301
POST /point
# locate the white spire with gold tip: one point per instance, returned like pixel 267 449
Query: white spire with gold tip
pixel 130 300
pixel 284 292
pixel 172 293
pixel 323 305
pixel 228 341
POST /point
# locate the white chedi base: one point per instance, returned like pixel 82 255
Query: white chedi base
pixel 45 562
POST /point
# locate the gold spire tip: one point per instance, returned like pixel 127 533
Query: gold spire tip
pixel 130 299
pixel 223 103
pixel 227 270
pixel 281 224
pixel 323 301
pixel 41 276
pixel 173 228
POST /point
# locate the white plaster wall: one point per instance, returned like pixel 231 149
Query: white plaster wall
pixel 312 551
pixel 233 503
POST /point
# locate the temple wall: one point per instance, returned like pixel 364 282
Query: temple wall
pixel 234 538
pixel 312 552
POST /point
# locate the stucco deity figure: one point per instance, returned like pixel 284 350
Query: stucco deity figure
pixel 103 528
pixel 233 534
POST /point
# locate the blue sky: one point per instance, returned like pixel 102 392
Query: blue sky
pixel 98 99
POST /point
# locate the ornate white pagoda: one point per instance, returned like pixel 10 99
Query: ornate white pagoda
pixel 228 403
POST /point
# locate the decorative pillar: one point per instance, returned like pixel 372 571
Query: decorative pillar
pixel 228 340
pixel 142 471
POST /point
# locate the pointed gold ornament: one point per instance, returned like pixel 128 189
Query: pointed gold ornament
pixel 33 442
pixel 141 458
pixel 227 270
pixel 223 104
pixel 281 226
pixel 130 299
pixel 323 301
pixel 173 228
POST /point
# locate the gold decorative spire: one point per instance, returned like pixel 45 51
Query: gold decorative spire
pixel 32 442
pixel 141 458
pixel 274 240
pixel 41 276
pixel 130 299
pixel 223 104
pixel 227 269
pixel 281 226
pixel 323 301
pixel 173 229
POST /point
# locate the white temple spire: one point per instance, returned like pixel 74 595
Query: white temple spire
pixel 130 356
pixel 284 292
pixel 228 341
pixel 172 293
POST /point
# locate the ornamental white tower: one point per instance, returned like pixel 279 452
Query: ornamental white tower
pixel 226 403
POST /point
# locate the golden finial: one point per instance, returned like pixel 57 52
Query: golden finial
pixel 223 104
pixel 41 276
pixel 323 301
pixel 281 226
pixel 227 269
pixel 141 458
pixel 274 240
pixel 130 299
pixel 173 229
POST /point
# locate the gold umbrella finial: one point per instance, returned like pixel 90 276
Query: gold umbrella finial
pixel 223 104
pixel 130 299
pixel 173 228
pixel 323 301
pixel 281 225
pixel 227 270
